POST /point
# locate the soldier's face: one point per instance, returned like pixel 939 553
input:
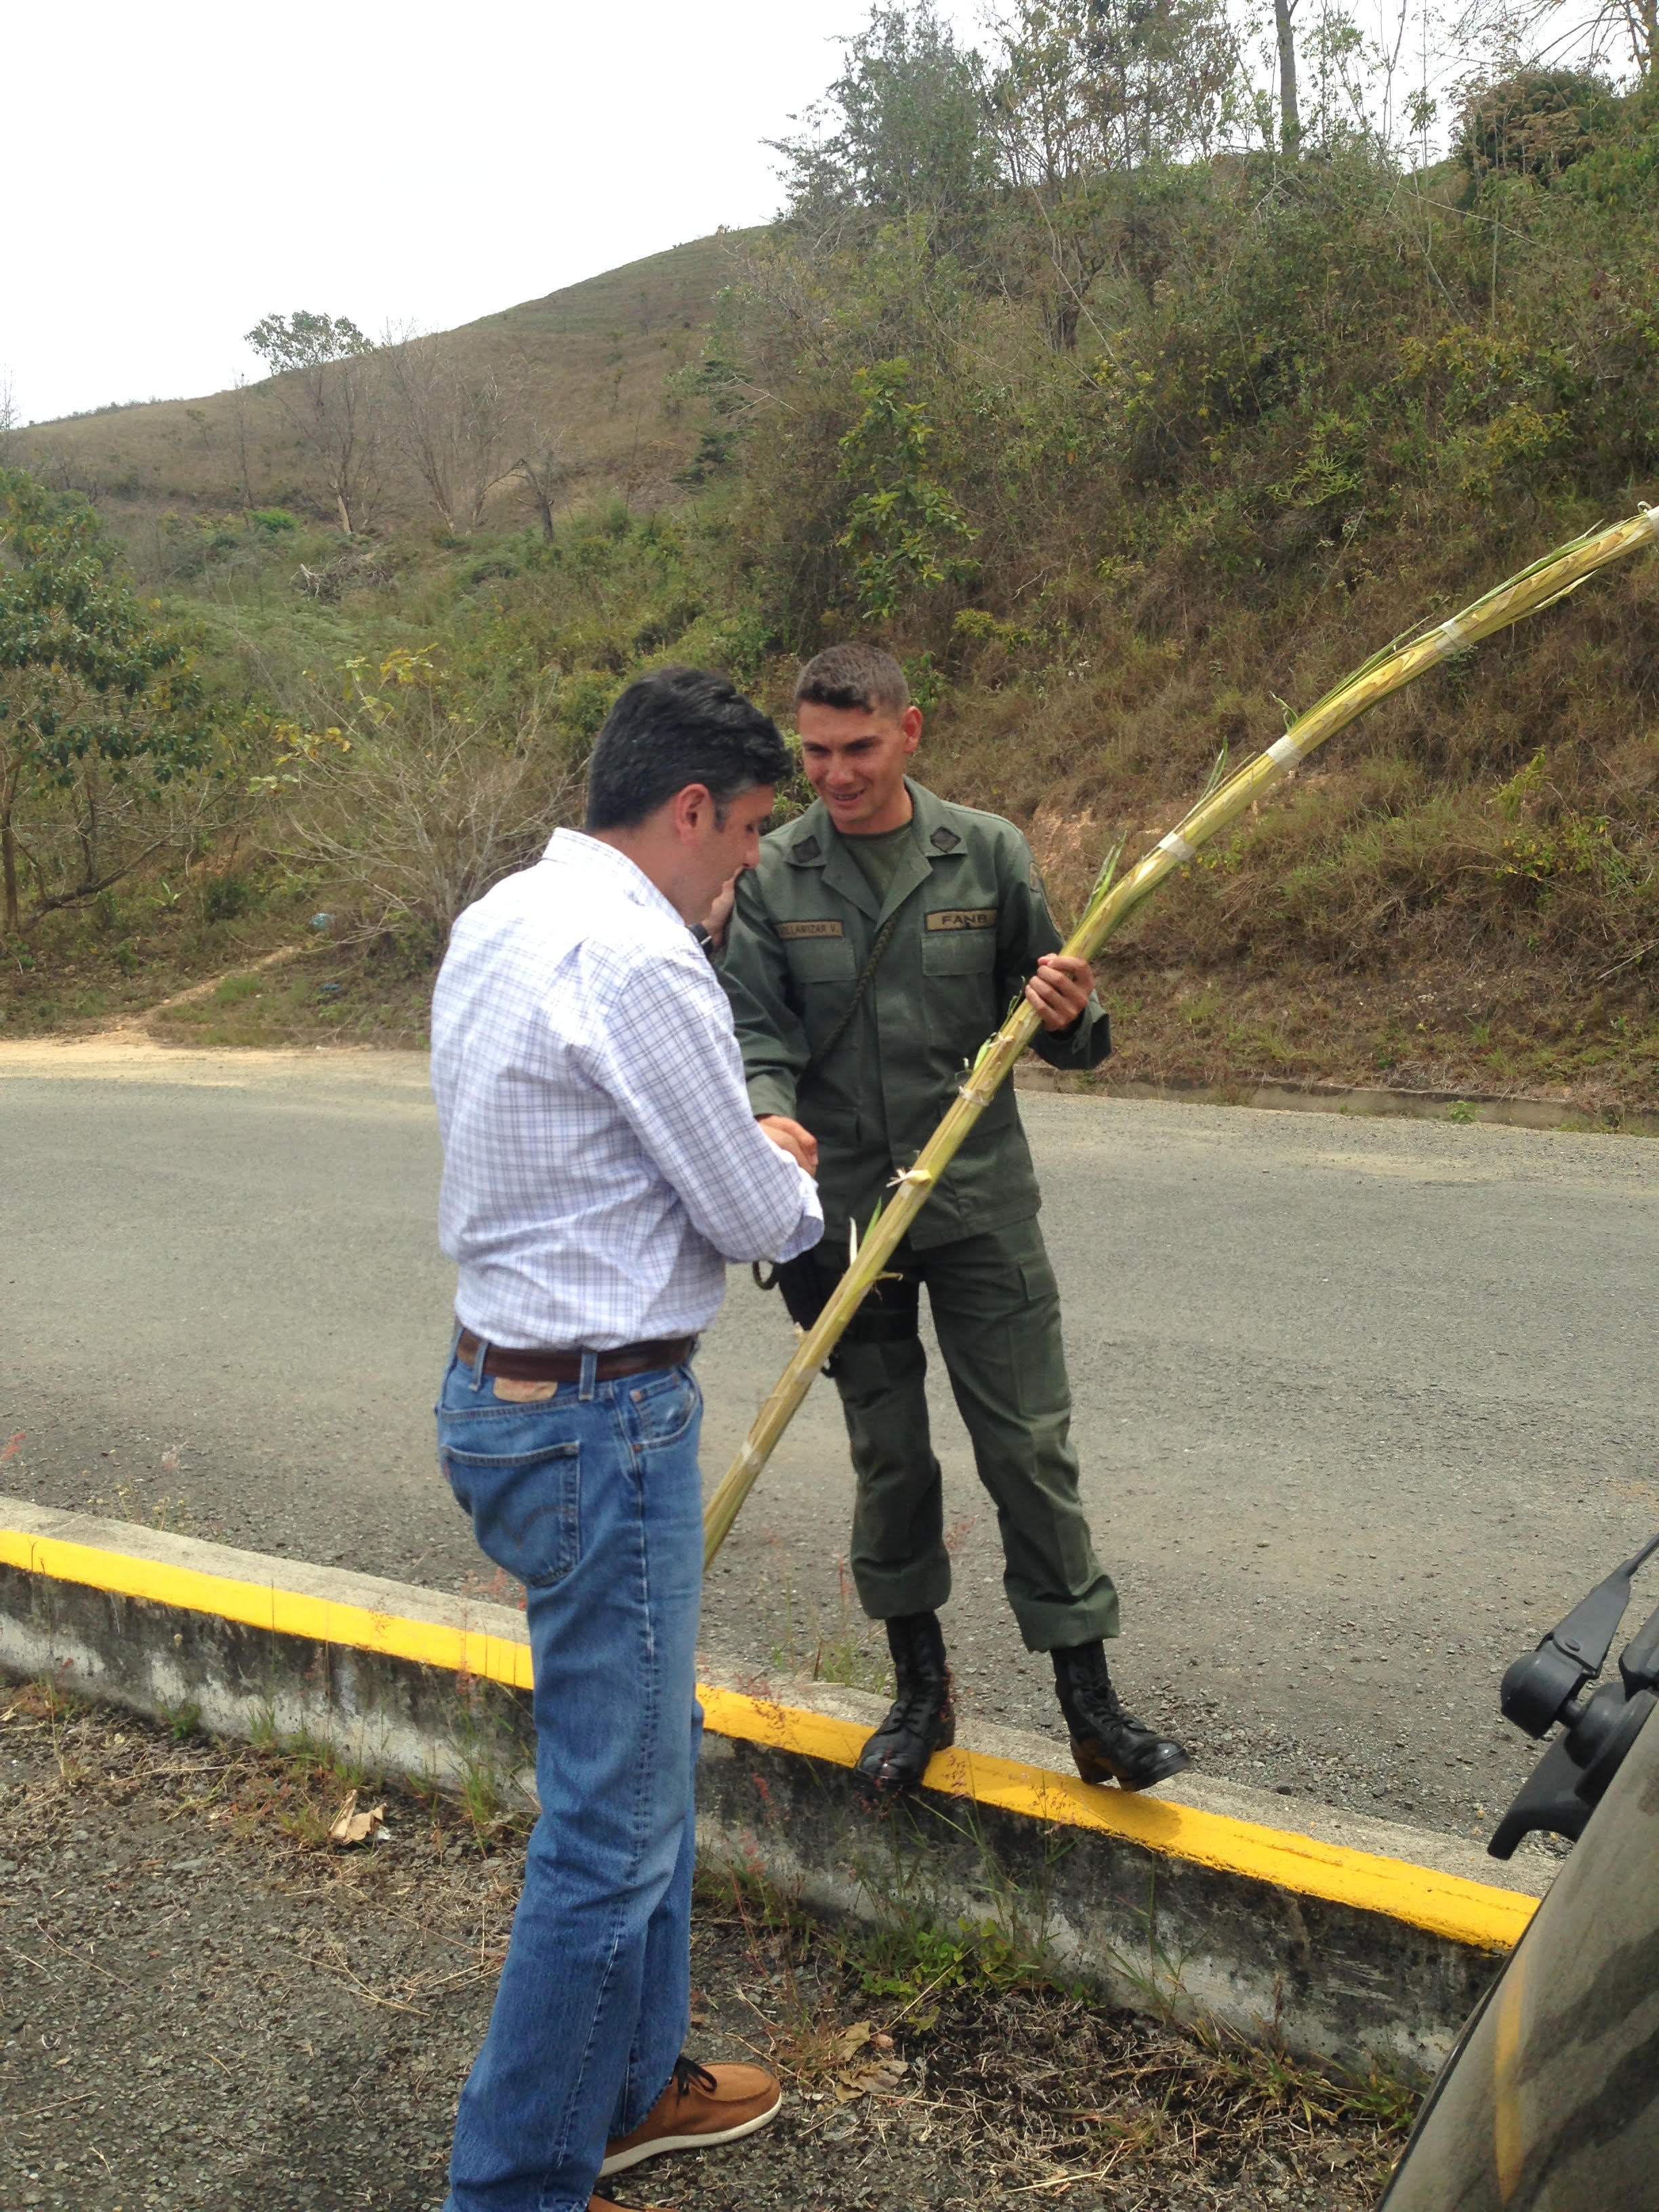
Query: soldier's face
pixel 855 758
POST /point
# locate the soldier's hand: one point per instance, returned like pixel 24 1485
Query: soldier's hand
pixel 720 913
pixel 1059 990
pixel 790 1137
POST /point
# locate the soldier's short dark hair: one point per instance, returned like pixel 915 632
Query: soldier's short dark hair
pixel 853 676
pixel 676 726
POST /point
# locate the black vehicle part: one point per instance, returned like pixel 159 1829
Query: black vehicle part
pixel 1547 1685
pixel 1550 2102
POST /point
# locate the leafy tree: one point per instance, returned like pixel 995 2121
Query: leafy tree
pixel 718 384
pixel 302 341
pixel 328 387
pixel 901 133
pixel 99 702
pixel 902 521
pixel 1088 93
pixel 1089 86
pixel 1538 123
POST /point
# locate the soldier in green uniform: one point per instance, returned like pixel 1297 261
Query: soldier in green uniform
pixel 875 948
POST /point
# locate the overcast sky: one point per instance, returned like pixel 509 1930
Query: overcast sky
pixel 175 171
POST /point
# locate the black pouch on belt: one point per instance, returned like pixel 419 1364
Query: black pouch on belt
pixel 889 1315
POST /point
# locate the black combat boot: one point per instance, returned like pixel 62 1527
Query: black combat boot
pixel 923 1720
pixel 1108 1744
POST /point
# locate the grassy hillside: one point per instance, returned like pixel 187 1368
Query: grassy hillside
pixel 591 361
pixel 1122 475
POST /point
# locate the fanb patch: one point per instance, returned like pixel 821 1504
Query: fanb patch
pixel 944 840
pixel 787 929
pixel 963 917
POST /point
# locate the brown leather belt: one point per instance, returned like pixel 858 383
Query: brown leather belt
pixel 566 1366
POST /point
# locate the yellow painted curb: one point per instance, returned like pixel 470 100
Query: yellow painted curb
pixel 1448 1904
pixel 1472 1912
pixel 285 1613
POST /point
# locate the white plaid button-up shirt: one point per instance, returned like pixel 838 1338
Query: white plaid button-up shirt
pixel 601 1159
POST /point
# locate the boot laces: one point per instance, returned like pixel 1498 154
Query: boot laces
pixel 917 1706
pixel 913 1709
pixel 1098 1699
pixel 687 2071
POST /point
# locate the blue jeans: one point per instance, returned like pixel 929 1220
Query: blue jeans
pixel 592 1500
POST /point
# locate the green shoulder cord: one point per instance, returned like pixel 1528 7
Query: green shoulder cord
pixel 884 939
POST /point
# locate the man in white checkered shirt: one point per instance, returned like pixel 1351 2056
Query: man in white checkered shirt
pixel 601 1164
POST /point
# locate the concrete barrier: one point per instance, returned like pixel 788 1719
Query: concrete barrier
pixel 1353 1940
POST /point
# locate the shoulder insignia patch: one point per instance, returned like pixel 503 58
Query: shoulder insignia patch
pixel 803 849
pixel 963 917
pixel 788 930
pixel 944 840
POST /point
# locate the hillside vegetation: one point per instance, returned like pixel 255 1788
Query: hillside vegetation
pixel 582 372
pixel 1128 432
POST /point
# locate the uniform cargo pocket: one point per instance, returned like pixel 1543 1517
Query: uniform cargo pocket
pixel 526 1506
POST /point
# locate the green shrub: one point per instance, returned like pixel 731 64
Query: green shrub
pixel 224 897
pixel 1536 123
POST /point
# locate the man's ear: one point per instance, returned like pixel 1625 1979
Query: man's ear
pixel 910 723
pixel 691 809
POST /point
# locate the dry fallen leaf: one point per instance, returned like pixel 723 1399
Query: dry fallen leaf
pixel 886 2074
pixel 351 1826
pixel 851 2040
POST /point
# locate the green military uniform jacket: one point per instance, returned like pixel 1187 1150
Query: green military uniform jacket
pixel 973 923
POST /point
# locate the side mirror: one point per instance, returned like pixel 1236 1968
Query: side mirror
pixel 1547 1685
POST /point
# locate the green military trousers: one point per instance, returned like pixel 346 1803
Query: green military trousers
pixel 996 1311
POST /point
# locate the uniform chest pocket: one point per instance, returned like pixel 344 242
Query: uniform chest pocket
pixel 821 959
pixel 958 952
pixel 958 977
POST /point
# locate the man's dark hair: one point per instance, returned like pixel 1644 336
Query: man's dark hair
pixel 675 726
pixel 853 676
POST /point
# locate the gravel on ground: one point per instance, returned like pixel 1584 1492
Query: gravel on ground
pixel 206 2007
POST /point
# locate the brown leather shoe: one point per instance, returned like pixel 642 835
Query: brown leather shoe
pixel 701 2106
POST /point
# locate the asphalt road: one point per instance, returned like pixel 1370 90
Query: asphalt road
pixel 1362 1405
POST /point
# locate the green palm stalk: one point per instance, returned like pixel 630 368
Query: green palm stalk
pixel 1111 904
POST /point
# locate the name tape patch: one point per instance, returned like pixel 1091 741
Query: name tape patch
pixel 791 929
pixel 963 917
